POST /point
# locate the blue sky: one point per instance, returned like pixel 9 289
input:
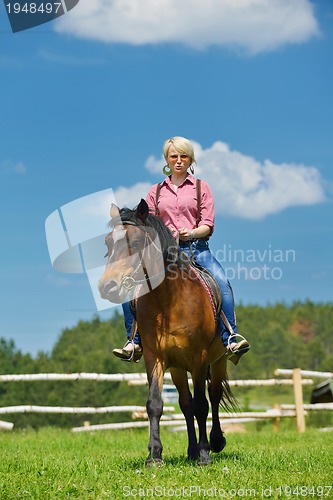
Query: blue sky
pixel 88 100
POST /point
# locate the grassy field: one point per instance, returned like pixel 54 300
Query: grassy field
pixel 53 463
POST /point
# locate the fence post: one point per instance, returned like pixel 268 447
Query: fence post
pixel 276 420
pixel 298 395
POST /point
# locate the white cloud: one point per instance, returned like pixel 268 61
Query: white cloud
pixel 14 168
pixel 253 25
pixel 130 197
pixel 244 187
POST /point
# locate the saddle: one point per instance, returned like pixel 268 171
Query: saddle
pixel 210 285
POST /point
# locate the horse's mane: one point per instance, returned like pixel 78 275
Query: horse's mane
pixel 171 253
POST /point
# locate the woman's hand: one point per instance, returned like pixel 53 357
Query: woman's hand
pixel 194 234
pixel 185 234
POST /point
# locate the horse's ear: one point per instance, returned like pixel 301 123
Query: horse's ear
pixel 142 210
pixel 114 211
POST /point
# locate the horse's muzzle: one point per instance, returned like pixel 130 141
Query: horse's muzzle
pixel 109 291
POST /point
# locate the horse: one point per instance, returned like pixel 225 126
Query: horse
pixel 177 325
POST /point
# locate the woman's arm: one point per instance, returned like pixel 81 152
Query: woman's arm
pixel 190 234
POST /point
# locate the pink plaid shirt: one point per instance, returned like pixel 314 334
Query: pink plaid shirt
pixel 179 208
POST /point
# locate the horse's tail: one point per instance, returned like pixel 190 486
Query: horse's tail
pixel 228 401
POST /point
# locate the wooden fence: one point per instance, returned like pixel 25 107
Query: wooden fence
pixel 298 410
pixel 299 406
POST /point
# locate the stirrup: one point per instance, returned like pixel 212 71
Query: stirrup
pixel 235 355
pixel 124 355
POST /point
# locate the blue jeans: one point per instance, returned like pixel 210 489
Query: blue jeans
pixel 200 250
pixel 202 254
pixel 128 319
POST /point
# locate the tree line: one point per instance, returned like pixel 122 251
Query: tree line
pixel 281 336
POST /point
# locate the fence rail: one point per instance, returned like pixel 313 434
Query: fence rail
pixel 99 377
pixel 178 421
pixel 310 407
pixel 69 409
pixel 305 373
pixel 298 410
pixel 7 426
pixel 133 379
pixel 75 409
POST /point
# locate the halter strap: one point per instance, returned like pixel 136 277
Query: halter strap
pixel 129 281
pixel 158 189
pixel 198 189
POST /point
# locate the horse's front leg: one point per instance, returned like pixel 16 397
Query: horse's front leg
pixel 155 374
pixel 201 407
pixel 179 378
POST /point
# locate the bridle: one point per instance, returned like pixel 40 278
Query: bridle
pixel 129 281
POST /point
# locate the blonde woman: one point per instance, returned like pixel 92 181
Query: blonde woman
pixel 189 214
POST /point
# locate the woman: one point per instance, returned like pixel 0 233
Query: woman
pixel 175 200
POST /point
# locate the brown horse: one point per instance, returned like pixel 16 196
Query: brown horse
pixel 176 322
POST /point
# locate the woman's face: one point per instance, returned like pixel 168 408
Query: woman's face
pixel 178 162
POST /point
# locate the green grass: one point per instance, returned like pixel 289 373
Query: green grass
pixel 56 464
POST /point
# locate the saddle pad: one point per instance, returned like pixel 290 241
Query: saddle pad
pixel 210 285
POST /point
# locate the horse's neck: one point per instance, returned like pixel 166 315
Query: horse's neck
pixel 171 288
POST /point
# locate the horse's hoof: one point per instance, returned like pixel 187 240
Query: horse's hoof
pixel 154 462
pixel 217 440
pixel 204 459
pixel 217 445
pixel 204 462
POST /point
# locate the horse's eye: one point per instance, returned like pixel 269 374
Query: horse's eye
pixel 135 246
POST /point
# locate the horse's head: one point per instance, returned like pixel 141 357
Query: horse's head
pixel 135 259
